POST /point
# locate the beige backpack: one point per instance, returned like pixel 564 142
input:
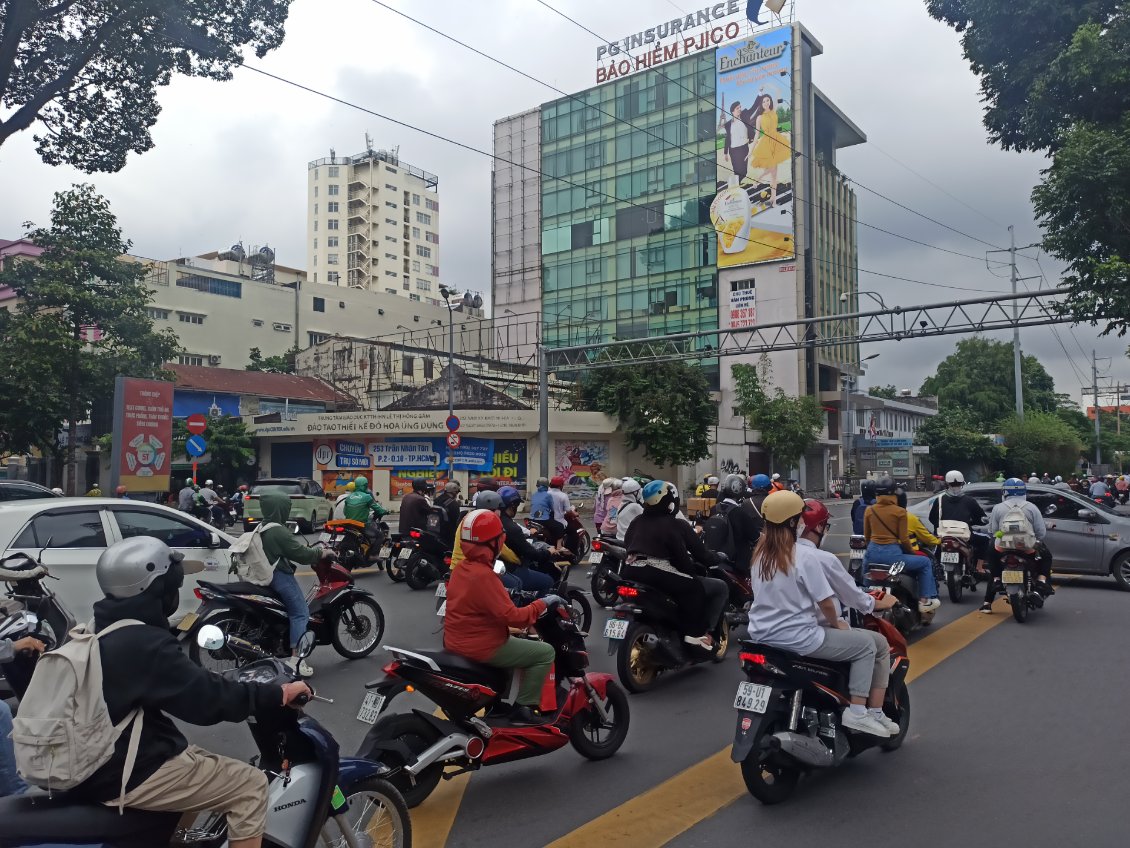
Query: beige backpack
pixel 63 733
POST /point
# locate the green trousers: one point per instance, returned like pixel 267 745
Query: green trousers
pixel 534 658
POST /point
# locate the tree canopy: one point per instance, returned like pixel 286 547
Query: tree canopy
pixel 888 391
pixel 281 364
pixel 789 426
pixel 229 448
pixel 957 441
pixel 1055 77
pixel 88 70
pixel 1040 442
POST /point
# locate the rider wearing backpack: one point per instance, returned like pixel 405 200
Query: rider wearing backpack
pixel 144 670
pixel 730 529
pixel 1022 528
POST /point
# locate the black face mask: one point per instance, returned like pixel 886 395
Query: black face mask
pixel 170 597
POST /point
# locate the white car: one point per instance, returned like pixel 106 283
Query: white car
pixel 69 534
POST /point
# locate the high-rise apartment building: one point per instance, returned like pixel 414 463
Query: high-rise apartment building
pixel 373 223
pixel 688 196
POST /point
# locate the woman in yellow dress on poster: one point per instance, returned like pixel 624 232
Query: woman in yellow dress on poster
pixel 772 147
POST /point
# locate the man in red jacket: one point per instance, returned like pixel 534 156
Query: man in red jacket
pixel 480 615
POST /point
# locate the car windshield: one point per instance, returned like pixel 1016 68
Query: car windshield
pixel 286 487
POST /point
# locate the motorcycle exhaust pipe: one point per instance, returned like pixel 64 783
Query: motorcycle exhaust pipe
pixel 450 747
pixel 803 748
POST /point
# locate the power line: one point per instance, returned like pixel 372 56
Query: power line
pixel 471 148
pixel 796 152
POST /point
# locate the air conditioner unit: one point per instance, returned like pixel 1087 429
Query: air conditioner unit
pixel 214 359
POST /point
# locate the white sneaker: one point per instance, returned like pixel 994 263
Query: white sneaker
pixel 929 605
pixel 300 667
pixel 703 642
pixel 892 726
pixel 865 723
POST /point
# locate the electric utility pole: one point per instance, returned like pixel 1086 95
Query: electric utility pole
pixel 1016 357
pixel 1095 386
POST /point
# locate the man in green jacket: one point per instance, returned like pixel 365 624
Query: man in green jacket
pixel 285 551
pixel 361 503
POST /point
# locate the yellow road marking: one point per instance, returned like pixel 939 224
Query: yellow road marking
pixel 432 821
pixel 656 817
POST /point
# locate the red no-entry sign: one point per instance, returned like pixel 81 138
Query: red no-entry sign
pixel 196 424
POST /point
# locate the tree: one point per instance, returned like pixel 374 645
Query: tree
pixel 978 376
pixel 89 70
pixel 81 321
pixel 664 407
pixel 1055 77
pixel 957 441
pixel 789 426
pixel 888 391
pixel 281 364
pixel 1040 442
pixel 229 448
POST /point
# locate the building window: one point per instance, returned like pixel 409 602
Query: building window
pixel 331 224
pixel 390 273
pixel 332 277
pixel 433 270
pixel 391 291
pixel 432 237
pixel 415 264
pixel 190 318
pixel 256 322
pixel 331 259
pixel 407 285
pixel 416 232
pixel 415 200
pixel 425 252
pixel 422 218
pixel 408 366
pixel 315 208
pixel 414 296
pixel 157 314
pixel 333 189
pixel 317 338
pixel 390 170
pixel 390 221
pixel 391 256
pixel 319 304
pixel 333 169
pixel 315 225
pixel 331 241
pixel 315 261
pixel 423 285
pixel 211 285
pixel 390 205
pixel 433 205
pixel 190 359
pixel 390 187
pixel 315 191
pixel 391 238
pixel 429 369
pixel 333 206
pixel 315 244
pixel 279 327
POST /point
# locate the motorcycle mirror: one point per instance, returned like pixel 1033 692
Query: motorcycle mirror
pixel 499 567
pixel 210 638
pixel 1087 514
pixel 305 646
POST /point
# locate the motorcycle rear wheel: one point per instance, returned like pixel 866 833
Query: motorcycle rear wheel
pixel 1019 604
pixel 377 812
pixel 584 544
pixel 603 590
pixel 597 741
pixel 955 584
pixel 395 570
pixel 232 624
pixel 417 736
pixel 768 781
pixel 902 699
pixel 421 572
pixel 358 628
pixel 723 644
pixel 580 610
pixel 632 667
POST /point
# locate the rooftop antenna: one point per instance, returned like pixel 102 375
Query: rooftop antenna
pixel 368 144
pixel 333 155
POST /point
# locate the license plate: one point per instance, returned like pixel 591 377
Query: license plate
pixel 441 590
pixel 595 558
pixel 405 553
pixel 856 555
pixel 187 622
pixel 325 538
pixel 616 628
pixel 951 556
pixel 1012 576
pixel 370 707
pixel 384 552
pixel 442 611
pixel 753 697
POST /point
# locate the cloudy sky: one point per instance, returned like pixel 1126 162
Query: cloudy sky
pixel 230 158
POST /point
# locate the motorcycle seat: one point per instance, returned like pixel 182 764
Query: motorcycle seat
pixel 779 656
pixel 470 671
pixel 241 587
pixel 36 818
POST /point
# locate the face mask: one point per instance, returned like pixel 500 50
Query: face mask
pixel 170 598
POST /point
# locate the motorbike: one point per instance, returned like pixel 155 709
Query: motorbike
pixel 390 553
pixel 645 630
pixel 576 539
pixel 354 548
pixel 426 558
pixel 608 555
pixel 857 551
pixel 1018 577
pixel 25 589
pixel 905 615
pixel 586 709
pixel 789 710
pixel 956 558
pixel 315 796
pixel 341 615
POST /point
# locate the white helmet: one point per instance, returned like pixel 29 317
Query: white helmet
pixel 776 476
pixel 712 481
pixel 631 490
pixel 955 483
pixel 57 491
pixel 1058 479
pixel 208 483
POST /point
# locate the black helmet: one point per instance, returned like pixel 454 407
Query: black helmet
pixel 884 486
pixel 900 496
pixel 734 487
pixel 420 485
pixel 867 490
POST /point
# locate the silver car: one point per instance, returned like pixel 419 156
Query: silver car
pixel 1083 536
pixel 71 533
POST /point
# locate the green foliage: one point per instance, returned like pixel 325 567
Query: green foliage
pixel 89 70
pixel 957 441
pixel 888 391
pixel 80 322
pixel 664 407
pixel 1040 442
pixel 789 426
pixel 1055 77
pixel 281 364
pixel 978 377
pixel 229 448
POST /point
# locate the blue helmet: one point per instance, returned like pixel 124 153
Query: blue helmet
pixel 760 481
pixel 510 496
pixel 659 497
pixel 1014 487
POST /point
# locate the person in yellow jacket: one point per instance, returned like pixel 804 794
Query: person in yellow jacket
pixel 920 535
pixel 507 555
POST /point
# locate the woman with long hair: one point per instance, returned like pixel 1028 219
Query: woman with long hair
pixel 789 593
pixel 771 147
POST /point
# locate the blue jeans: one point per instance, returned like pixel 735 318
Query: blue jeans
pixel 293 598
pixel 10 782
pixel 921 567
pixel 533 581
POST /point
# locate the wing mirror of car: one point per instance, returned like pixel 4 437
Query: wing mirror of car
pixel 214 540
pixel 1088 515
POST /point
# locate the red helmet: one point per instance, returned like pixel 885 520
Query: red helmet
pixel 557 483
pixel 815 514
pixel 481 527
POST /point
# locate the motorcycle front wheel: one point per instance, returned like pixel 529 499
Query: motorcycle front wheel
pixel 1019 603
pixel 595 739
pixel 580 610
pixel 768 780
pixel 603 589
pixel 421 572
pixel 633 665
pixel 377 816
pixel 395 569
pixel 954 584
pixel 358 628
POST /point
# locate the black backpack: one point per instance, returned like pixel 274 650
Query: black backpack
pixel 718 533
pixel 436 521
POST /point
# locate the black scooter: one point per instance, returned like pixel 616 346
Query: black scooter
pixel 607 557
pixel 426 558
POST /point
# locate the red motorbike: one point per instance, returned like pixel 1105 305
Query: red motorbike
pixel 587 709
pixel 577 539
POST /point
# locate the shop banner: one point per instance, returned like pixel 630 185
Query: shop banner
pixel 141 458
pixel 509 463
pixel 582 464
pixel 420 453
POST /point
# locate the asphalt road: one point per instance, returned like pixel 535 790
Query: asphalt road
pixel 1018 735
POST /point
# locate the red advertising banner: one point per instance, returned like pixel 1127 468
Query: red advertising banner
pixel 143 434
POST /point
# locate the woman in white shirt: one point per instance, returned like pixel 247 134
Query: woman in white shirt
pixel 788 591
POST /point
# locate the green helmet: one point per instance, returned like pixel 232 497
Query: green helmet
pixel 361 484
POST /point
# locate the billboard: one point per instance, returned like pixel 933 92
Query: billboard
pixel 141 459
pixel 752 211
pixel 581 464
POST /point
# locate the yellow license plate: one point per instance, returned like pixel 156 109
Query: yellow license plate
pixel 1012 576
pixel 187 622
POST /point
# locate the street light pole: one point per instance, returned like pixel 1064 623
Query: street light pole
pixel 467 301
